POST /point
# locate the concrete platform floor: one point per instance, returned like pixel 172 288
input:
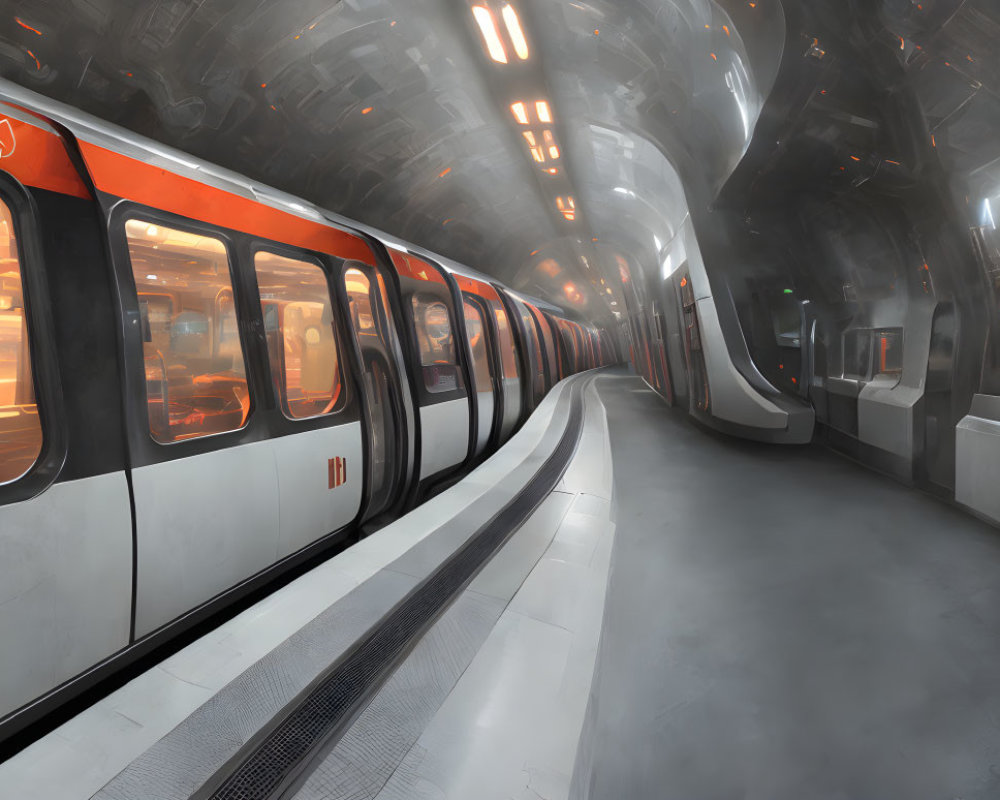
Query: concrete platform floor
pixel 783 624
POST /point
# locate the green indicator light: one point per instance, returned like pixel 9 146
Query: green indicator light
pixel 788 291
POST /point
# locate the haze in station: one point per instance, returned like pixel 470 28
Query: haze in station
pixel 697 297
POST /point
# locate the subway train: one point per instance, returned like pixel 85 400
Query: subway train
pixel 205 383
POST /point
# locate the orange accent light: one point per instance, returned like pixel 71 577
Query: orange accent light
pixel 26 26
pixel 444 172
pixel 367 110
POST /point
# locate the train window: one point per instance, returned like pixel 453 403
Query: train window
pixel 506 340
pixel 20 428
pixel 359 295
pixel 437 343
pixel 301 344
pixel 890 351
pixel 196 382
pixel 477 341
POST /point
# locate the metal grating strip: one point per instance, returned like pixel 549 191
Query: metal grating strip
pixel 268 764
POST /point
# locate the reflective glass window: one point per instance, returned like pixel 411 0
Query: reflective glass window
pixel 477 341
pixel 436 342
pixel 20 428
pixel 890 352
pixel 301 339
pixel 508 356
pixel 359 293
pixel 196 382
pixel 857 353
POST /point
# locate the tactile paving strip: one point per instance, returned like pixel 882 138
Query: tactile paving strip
pixel 270 764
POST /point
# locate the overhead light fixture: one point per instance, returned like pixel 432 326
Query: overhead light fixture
pixel 488 27
pixel 567 207
pixel 520 112
pixel 544 115
pixel 550 143
pixel 516 34
pixel 536 152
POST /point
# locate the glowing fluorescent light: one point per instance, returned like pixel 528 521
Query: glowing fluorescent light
pixel 530 138
pixel 544 114
pixel 520 113
pixel 988 215
pixel 516 34
pixel 488 27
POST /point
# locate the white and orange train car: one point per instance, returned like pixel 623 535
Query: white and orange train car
pixel 205 383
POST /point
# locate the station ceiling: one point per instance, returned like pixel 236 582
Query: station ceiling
pixel 395 112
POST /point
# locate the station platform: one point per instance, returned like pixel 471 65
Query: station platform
pixel 618 604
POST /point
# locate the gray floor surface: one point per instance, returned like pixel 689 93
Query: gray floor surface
pixel 784 624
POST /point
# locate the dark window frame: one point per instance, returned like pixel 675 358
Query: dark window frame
pixel 305 256
pixel 41 347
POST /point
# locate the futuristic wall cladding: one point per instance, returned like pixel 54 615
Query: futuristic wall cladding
pixel 856 243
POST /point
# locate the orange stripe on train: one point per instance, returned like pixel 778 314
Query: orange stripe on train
pixel 38 158
pixel 132 179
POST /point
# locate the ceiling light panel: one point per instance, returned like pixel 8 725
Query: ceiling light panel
pixel 491 36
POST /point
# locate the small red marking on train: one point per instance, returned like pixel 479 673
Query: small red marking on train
pixel 336 472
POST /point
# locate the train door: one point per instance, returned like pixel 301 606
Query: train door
pixel 551 359
pixel 660 348
pixel 484 367
pixel 562 346
pixel 443 397
pixel 65 524
pixel 313 415
pixel 510 371
pixel 244 449
pixel 537 357
pixel 206 508
pixel 382 384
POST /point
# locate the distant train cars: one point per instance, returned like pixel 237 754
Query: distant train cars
pixel 204 382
